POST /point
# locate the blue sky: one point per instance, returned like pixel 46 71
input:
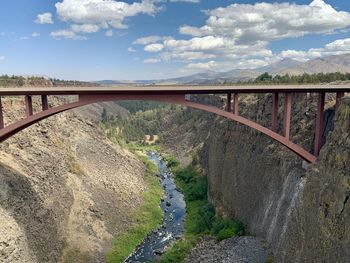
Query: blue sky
pixel 152 39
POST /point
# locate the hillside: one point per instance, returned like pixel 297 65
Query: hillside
pixel 65 190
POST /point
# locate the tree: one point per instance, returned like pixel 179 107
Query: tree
pixel 104 115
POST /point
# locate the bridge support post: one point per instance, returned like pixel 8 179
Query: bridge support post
pixel 274 111
pixel 44 102
pixel 1 116
pixel 235 104
pixel 29 105
pixel 319 123
pixel 338 98
pixel 229 98
pixel 287 115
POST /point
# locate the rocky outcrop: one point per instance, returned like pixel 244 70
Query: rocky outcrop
pixel 303 214
pixel 232 250
pixel 65 190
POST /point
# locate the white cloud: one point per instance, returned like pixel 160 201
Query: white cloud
pixel 237 36
pixel 187 1
pixel 149 40
pixel 85 28
pixel 35 34
pixel 154 47
pixel 45 18
pixel 2 58
pixel 103 13
pixel 130 49
pixel 248 23
pixel 210 65
pixel 24 38
pixel 152 60
pixel 338 47
pixel 67 34
pixel 109 33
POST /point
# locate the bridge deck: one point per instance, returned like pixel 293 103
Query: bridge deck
pixel 173 89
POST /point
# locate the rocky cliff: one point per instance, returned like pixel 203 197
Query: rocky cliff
pixel 65 191
pixel 303 212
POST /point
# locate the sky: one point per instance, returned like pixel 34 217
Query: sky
pixel 156 39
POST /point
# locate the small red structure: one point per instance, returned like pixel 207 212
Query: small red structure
pixel 178 95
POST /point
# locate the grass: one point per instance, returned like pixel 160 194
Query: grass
pixel 147 217
pixel 200 218
pixel 74 166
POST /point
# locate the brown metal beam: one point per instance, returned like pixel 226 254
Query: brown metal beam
pixel 274 112
pixel 44 102
pixel 1 116
pixel 235 104
pixel 29 105
pixel 229 98
pixel 319 123
pixel 287 115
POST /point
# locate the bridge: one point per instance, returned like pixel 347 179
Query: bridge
pixel 179 95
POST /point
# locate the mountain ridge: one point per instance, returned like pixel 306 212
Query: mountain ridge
pixel 330 64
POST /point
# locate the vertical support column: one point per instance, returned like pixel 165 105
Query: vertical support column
pixel 29 105
pixel 338 97
pixel 229 98
pixel 274 111
pixel 235 104
pixel 287 115
pixel 44 102
pixel 319 123
pixel 1 116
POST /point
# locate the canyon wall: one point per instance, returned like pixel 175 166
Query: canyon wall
pixel 65 190
pixel 302 211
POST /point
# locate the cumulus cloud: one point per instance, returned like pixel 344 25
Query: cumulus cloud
pixel 130 49
pixel 238 35
pixel 154 47
pixel 45 18
pixel 85 28
pixel 338 47
pixel 248 23
pixel 67 34
pixel 109 33
pixel 103 13
pixel 187 1
pixel 35 34
pixel 90 16
pixel 152 60
pixel 149 40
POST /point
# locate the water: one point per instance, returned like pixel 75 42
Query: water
pixel 174 208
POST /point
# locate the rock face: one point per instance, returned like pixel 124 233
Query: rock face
pixel 65 191
pixel 232 250
pixel 303 214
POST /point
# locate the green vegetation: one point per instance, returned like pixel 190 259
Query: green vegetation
pixel 147 217
pixel 200 218
pixel 74 166
pixel 72 83
pixel 151 122
pixel 266 78
pixel 134 106
pixel 6 81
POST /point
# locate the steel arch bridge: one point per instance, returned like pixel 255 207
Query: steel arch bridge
pixel 178 95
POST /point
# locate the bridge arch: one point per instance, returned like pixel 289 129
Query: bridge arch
pixel 179 99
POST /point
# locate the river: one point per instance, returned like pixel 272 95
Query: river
pixel 174 208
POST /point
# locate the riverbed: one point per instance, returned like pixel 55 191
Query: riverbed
pixel 172 228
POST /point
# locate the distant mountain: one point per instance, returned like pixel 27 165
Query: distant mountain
pixel 338 63
pixel 280 66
